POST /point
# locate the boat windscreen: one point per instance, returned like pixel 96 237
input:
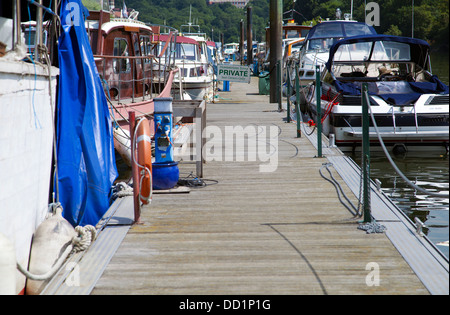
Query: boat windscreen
pixel 340 30
pixel 382 51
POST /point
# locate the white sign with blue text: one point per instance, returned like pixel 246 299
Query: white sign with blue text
pixel 233 73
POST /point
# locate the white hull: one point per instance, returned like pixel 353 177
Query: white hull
pixel 412 137
pixel 196 87
pixel 26 142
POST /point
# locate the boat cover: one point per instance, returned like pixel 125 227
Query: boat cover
pixel 85 147
pixel 419 48
pixel 393 92
pixel 339 29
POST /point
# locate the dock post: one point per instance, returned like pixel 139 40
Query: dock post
pixel 288 102
pixel 249 36
pixel 279 87
pixel 275 44
pixel 366 154
pixel 297 106
pixel 134 168
pixel 319 112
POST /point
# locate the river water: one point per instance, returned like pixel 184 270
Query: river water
pixel 429 171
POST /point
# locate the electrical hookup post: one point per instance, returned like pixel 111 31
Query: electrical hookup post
pixel 233 73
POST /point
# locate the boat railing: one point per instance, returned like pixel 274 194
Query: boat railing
pixel 151 72
pixel 167 51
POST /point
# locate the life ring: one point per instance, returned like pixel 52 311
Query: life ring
pixel 144 159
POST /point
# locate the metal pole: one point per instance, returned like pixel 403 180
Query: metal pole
pixel 319 112
pixel 135 169
pixel 249 37
pixel 366 154
pixel 279 92
pixel 39 32
pixel 241 44
pixel 297 107
pixel 276 20
pixel 17 39
pixel 288 101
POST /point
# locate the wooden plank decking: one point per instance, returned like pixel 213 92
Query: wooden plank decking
pixel 282 232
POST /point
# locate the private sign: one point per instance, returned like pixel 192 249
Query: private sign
pixel 233 73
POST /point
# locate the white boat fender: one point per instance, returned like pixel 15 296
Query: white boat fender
pixel 122 144
pixel 7 267
pixel 53 242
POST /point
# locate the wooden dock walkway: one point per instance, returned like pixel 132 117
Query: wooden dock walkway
pixel 281 232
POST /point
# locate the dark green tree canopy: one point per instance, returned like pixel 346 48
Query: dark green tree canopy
pixel 430 23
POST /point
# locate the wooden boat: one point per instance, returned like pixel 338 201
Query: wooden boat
pixel 131 68
pixel 127 62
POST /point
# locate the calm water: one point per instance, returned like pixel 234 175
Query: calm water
pixel 439 63
pixel 430 172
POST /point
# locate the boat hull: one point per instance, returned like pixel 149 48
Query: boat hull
pixel 419 127
pixel 27 105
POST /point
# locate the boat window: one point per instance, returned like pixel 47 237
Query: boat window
pixel 184 72
pixel 296 47
pixel 121 49
pixel 391 51
pixel 353 29
pixel 353 52
pixel 187 51
pixel 322 44
pixel 326 30
pixel 292 34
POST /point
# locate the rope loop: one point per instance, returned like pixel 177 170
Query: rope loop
pixel 86 235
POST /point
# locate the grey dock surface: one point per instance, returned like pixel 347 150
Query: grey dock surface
pixel 253 232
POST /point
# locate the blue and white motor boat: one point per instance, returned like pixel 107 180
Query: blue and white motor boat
pixel 410 104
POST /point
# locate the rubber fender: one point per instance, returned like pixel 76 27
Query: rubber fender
pixel 7 267
pixel 50 241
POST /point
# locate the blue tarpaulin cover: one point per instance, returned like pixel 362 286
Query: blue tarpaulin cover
pixel 395 93
pixel 85 147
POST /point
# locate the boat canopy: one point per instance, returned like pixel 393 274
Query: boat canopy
pixel 339 29
pixel 322 36
pixel 379 48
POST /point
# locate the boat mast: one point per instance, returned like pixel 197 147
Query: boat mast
pixel 16 27
pixel 190 15
pixel 351 11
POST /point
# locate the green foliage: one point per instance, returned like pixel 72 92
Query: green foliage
pixel 431 17
pixel 430 23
